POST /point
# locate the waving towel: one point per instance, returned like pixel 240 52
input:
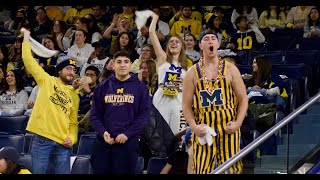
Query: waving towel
pixel 40 50
pixel 142 17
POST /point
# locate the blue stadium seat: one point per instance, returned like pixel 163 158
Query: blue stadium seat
pixel 156 164
pixel 300 75
pixel 86 144
pixel 276 56
pixel 245 69
pixel 140 165
pixel 81 165
pixel 5 39
pixel 310 44
pixel 16 141
pixel 284 39
pixel 310 58
pixel 28 137
pixel 13 124
pixel 243 57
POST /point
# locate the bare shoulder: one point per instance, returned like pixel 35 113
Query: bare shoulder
pixel 190 71
pixel 190 74
pixel 232 71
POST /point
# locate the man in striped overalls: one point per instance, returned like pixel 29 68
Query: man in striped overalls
pixel 214 96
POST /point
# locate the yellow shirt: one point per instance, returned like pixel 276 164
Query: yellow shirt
pixel 181 26
pixel 264 22
pixel 54 13
pixel 73 12
pixel 24 171
pixel 55 113
pixel 130 17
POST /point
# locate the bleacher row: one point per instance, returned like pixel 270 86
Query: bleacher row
pixel 80 160
pixel 301 68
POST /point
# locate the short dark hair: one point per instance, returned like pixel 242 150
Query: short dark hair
pixel 208 31
pixel 218 8
pixel 239 19
pixel 93 68
pixel 121 53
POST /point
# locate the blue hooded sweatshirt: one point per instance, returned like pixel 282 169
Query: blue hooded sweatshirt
pixel 120 107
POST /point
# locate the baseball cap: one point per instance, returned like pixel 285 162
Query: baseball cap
pixel 208 31
pixel 63 61
pixel 19 38
pixel 97 43
pixel 10 153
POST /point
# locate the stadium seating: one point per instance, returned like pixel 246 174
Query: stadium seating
pixel 13 124
pixel 86 144
pixel 140 165
pixel 155 165
pixel 276 56
pixel 16 141
pixel 81 165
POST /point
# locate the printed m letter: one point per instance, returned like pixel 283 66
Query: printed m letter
pixel 211 98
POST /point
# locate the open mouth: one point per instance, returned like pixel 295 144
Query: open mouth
pixel 211 48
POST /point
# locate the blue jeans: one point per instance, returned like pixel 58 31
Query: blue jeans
pixel 43 150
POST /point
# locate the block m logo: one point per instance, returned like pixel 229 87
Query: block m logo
pixel 120 91
pixel 211 98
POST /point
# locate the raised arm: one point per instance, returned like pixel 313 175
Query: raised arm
pixel 30 63
pixel 161 55
pixel 107 32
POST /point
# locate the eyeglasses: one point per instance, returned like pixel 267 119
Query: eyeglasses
pixel 69 68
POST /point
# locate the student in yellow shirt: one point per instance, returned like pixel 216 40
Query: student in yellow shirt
pixel 9 162
pixel 54 118
pixel 185 23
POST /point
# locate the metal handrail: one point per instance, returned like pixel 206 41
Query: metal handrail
pixel 264 136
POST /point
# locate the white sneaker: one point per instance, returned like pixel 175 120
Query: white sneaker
pixel 273 91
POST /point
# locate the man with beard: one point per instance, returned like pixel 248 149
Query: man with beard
pixel 53 120
pixel 186 24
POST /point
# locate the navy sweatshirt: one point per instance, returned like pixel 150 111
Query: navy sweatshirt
pixel 120 107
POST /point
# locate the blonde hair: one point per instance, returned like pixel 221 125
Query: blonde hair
pixel 182 56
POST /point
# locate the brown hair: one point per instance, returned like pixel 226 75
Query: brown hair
pixel 151 80
pixel 152 53
pixel 265 68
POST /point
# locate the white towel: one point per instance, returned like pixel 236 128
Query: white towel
pixel 41 50
pixel 226 52
pixel 254 93
pixel 207 139
pixel 141 17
